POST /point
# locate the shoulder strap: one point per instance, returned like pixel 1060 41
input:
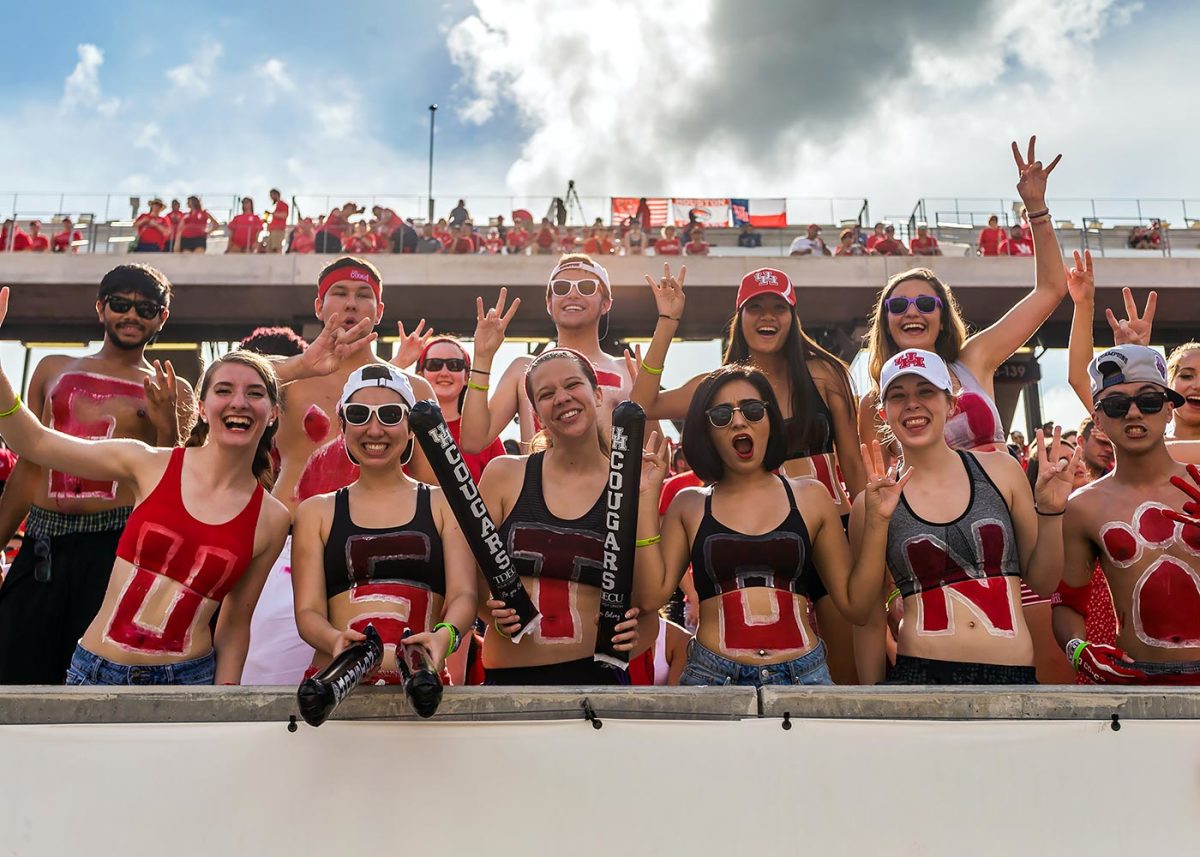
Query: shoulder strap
pixel 788 488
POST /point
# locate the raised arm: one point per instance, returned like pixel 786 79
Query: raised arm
pixel 1038 517
pixel 985 351
pixel 1081 284
pixel 483 420
pixel 669 300
pixel 326 353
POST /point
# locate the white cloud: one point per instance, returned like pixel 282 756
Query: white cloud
pixel 82 86
pixel 276 75
pixel 195 77
pixel 150 138
pixel 772 98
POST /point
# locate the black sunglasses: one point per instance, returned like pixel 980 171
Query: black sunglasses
pixel 722 415
pixel 145 309
pixel 562 288
pixel 435 364
pixel 1150 402
pixel 388 415
pixel 41 568
pixel 925 304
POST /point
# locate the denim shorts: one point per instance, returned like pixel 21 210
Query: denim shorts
pixel 705 667
pixel 89 668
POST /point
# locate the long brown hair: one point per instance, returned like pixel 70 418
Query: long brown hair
pixel 803 432
pixel 262 454
pixel 952 332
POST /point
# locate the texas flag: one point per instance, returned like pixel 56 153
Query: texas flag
pixel 759 212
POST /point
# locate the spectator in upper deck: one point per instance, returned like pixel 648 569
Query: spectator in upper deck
pixel 990 238
pixel 459 214
pixel 890 245
pixel 809 244
pixel 924 244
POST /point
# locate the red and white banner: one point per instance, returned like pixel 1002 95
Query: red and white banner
pixel 627 206
pixel 759 212
pixel 710 212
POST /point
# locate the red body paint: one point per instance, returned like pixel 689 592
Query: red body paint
pixel 942 575
pixel 99 392
pixel 744 633
pixel 1166 605
pixel 556 557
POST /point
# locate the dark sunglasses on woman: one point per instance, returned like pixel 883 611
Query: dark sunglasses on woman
pixel 435 364
pixel 722 415
pixel 925 304
pixel 357 414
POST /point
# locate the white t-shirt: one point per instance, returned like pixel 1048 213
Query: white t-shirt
pixel 806 243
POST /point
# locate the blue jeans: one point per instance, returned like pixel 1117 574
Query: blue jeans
pixel 89 668
pixel 705 667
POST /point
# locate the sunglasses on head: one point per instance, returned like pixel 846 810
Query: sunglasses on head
pixel 388 415
pixel 562 288
pixel 722 415
pixel 1150 402
pixel 435 364
pixel 925 304
pixel 145 309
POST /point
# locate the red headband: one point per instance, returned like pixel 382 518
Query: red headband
pixel 349 272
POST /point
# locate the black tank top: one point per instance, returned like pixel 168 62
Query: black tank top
pixel 978 544
pixel 542 544
pixel 823 439
pixel 724 560
pixel 410 554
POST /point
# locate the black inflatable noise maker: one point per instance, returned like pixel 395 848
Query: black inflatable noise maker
pixel 320 695
pixel 422 685
pixel 620 527
pixel 471 512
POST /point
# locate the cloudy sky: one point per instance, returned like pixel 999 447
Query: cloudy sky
pixel 705 97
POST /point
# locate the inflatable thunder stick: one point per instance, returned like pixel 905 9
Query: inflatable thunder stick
pixel 620 525
pixel 320 695
pixel 471 513
pixel 422 685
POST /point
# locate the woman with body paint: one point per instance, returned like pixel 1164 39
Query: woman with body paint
pixel 182 554
pixel 966 532
pixel 386 550
pixel 811 385
pixel 549 508
pixel 762 546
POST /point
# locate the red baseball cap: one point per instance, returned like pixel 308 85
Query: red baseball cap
pixel 766 281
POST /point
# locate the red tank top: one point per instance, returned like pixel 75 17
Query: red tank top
pixel 161 537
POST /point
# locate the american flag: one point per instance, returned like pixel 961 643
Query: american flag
pixel 626 206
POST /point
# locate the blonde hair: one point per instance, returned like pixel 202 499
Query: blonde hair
pixel 1177 357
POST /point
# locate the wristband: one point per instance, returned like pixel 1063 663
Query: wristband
pixel 17 404
pixel 664 315
pixel 1074 649
pixel 1049 514
pixel 649 370
pixel 653 540
pixel 483 388
pixel 453 635
pixel 892 596
pixel 1029 215
pixel 501 631
pixel 480 372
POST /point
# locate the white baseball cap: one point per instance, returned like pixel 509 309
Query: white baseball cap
pixel 377 375
pixel 915 361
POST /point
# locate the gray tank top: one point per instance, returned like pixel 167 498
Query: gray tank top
pixel 980 543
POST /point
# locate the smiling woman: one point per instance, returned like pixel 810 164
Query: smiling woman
pixel 181 555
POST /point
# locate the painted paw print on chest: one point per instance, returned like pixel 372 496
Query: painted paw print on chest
pixel 1124 543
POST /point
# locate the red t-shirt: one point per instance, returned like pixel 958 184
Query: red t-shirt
pixel 545 238
pixel 494 245
pixel 1019 247
pixel 244 229
pixel 889 247
pixel 39 242
pixel 174 217
pixel 990 238
pixel 567 243
pixel 517 238
pixel 872 240
pixel 476 463
pixel 668 247
pixel 923 245
pixel 147 234
pixel 334 223
pixel 359 244
pixel 696 248
pixel 673 486
pixel 195 224
pixel 279 217
pixel 62 241
pixel 303 242
pixel 463 244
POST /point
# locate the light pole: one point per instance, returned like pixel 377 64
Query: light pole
pixel 432 112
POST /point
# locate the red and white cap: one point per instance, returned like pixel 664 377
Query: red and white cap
pixel 766 281
pixel 915 361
